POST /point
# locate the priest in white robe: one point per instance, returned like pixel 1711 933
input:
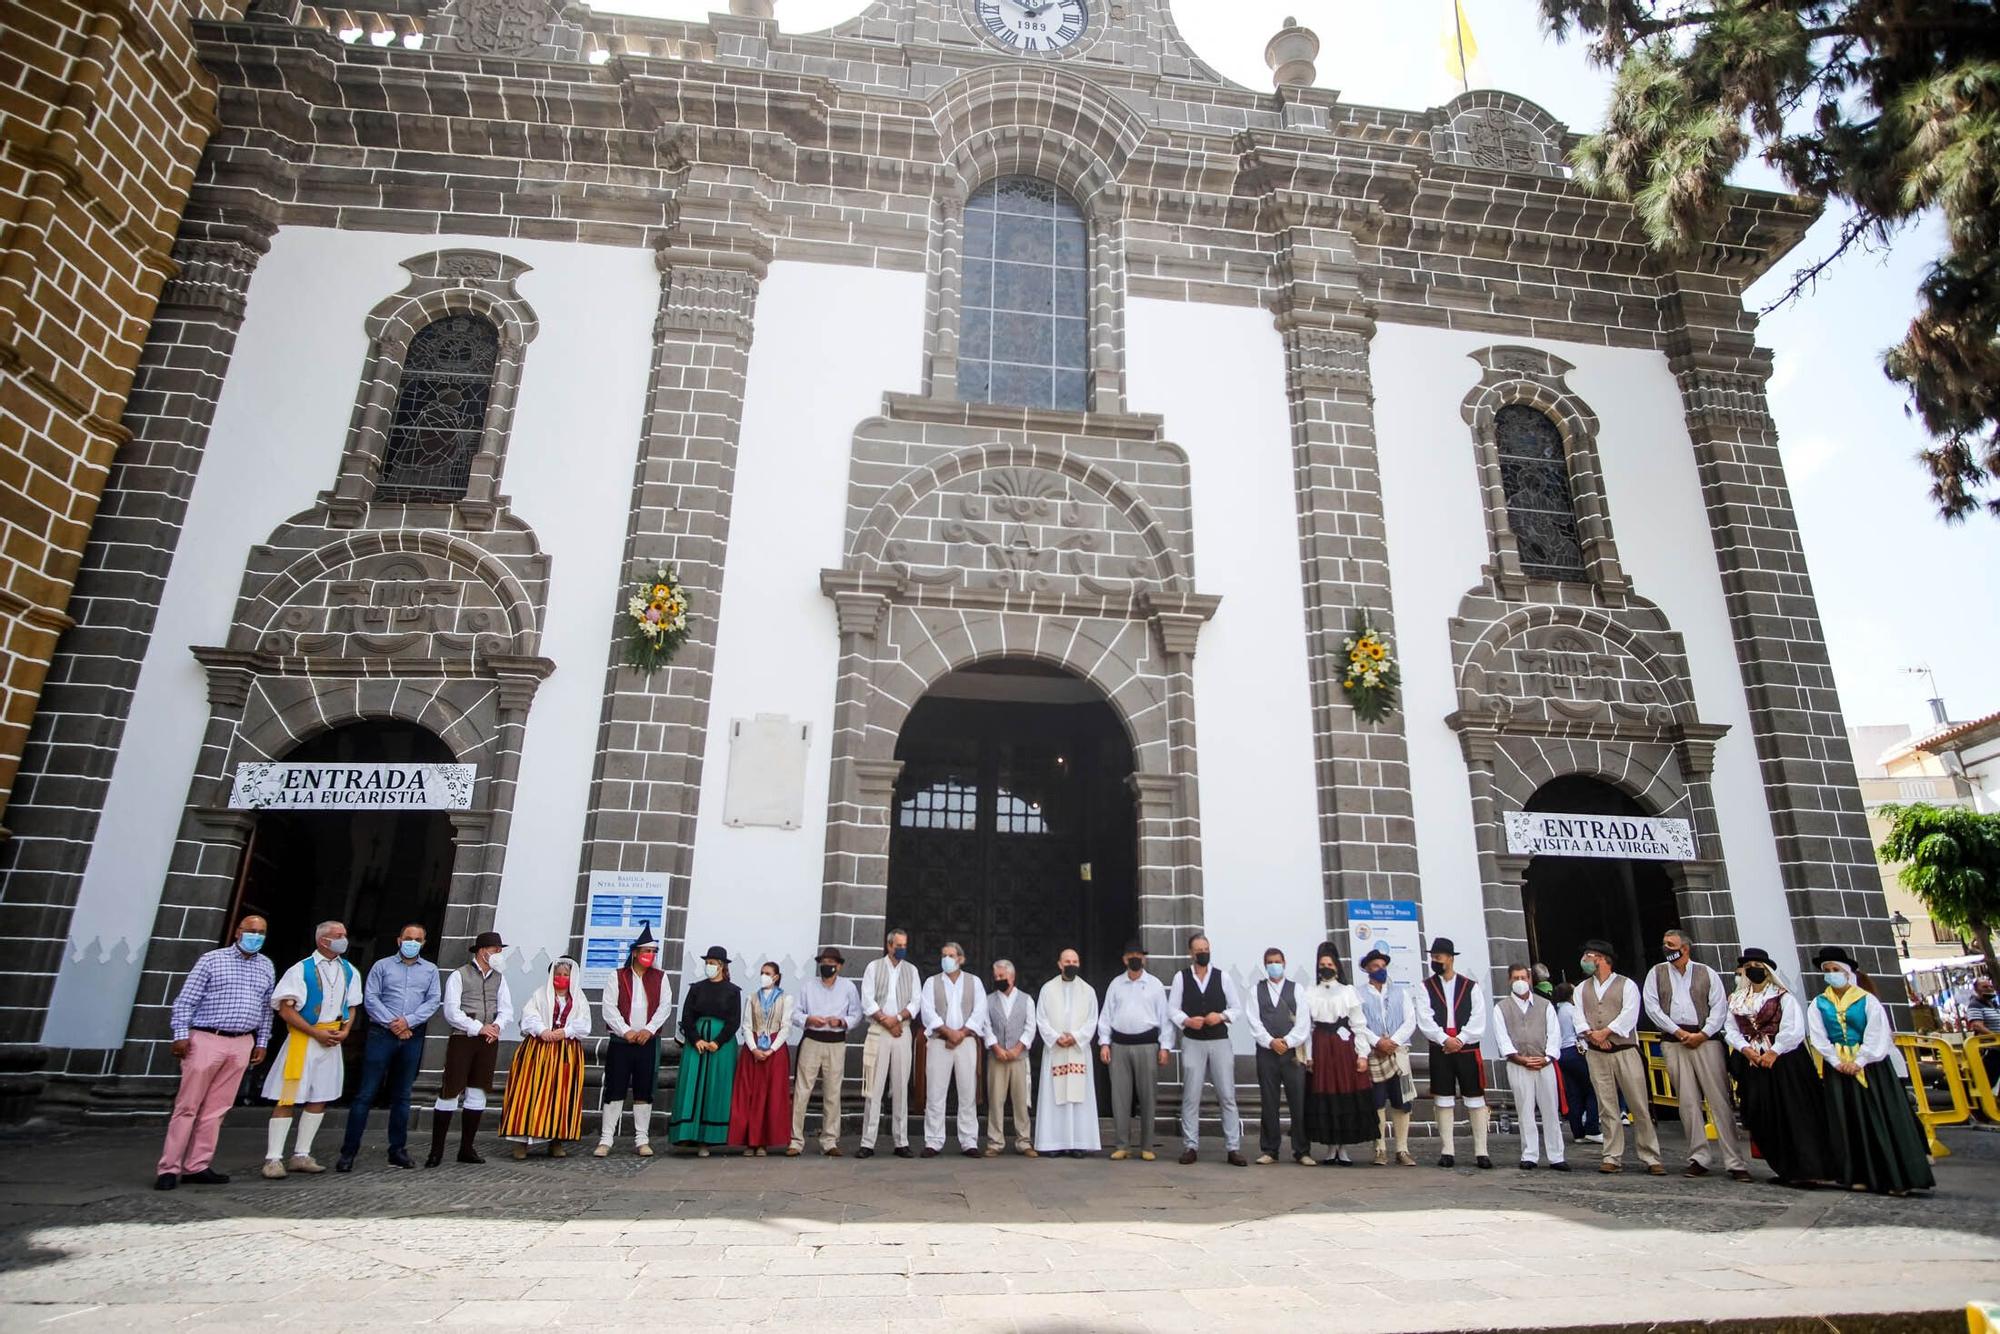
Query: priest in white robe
pixel 1066 1015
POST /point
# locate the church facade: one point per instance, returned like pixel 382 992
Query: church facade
pixel 1031 415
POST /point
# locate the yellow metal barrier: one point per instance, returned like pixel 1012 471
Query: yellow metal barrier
pixel 1979 1076
pixel 1659 1084
pixel 1915 1047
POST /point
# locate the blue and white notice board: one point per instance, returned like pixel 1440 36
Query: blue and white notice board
pixel 1389 925
pixel 621 904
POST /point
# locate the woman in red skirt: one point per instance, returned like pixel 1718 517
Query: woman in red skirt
pixel 1340 1096
pixel 760 1115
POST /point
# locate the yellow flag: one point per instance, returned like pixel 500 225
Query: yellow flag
pixel 1460 47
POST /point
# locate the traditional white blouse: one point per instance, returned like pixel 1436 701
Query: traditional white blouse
pixel 1791 1020
pixel 534 1022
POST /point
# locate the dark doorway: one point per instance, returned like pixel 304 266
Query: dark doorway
pixel 376 871
pixel 1013 831
pixel 1569 900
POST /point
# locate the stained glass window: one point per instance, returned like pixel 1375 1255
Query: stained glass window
pixel 1024 312
pixel 1534 470
pixel 440 409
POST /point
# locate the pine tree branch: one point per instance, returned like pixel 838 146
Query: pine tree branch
pixel 1853 232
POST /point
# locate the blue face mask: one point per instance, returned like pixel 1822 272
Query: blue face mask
pixel 901 950
pixel 409 949
pixel 250 942
pixel 1274 971
pixel 949 964
pixel 1378 975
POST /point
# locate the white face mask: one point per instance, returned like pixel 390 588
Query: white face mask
pixel 713 970
pixel 949 964
pixel 1521 987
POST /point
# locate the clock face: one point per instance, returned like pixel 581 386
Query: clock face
pixel 1034 25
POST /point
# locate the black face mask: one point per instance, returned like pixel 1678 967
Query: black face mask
pixel 1201 959
pixel 828 969
pixel 1756 972
pixel 1134 963
pixel 1004 983
pixel 1069 971
pixel 1325 973
pixel 1437 967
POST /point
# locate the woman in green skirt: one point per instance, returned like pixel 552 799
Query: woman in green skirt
pixel 1877 1144
pixel 710 1017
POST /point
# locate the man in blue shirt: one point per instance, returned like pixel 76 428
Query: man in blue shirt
pixel 401 995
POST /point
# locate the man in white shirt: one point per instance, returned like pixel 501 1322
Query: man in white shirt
pixel 316 999
pixel 828 1010
pixel 476 1007
pixel 889 1000
pixel 1280 1022
pixel 1392 1020
pixel 1688 1002
pixel 954 1015
pixel 1133 1039
pixel 1201 1003
pixel 1529 1038
pixel 1010 1033
pixel 1452 1015
pixel 1609 1004
pixel 637 1001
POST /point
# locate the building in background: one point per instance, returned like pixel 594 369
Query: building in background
pixel 106 113
pixel 1032 415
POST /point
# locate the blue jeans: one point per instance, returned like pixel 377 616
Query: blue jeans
pixel 395 1060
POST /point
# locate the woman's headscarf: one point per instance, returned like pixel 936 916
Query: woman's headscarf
pixel 545 995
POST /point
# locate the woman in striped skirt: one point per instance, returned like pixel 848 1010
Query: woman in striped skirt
pixel 545 1081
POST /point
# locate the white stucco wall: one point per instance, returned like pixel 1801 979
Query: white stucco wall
pixel 1217 374
pixel 280 426
pixel 1437 543
pixel 813 378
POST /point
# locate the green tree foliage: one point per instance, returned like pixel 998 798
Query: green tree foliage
pixel 1951 861
pixel 1892 106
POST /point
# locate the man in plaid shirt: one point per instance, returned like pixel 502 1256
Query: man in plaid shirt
pixel 221 1025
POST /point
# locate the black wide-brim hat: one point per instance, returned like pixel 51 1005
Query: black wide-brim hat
pixel 1834 954
pixel 488 940
pixel 831 952
pixel 1372 956
pixel 715 954
pixel 1603 947
pixel 1443 945
pixel 1755 955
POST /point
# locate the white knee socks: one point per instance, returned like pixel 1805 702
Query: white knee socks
pixel 274 1138
pixel 1401 1121
pixel 308 1127
pixel 1448 1129
pixel 642 1123
pixel 614 1112
pixel 1480 1116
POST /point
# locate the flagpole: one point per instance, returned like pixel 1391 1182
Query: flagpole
pixel 1458 35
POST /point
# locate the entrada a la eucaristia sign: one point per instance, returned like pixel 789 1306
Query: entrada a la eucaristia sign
pixel 1644 838
pixel 352 787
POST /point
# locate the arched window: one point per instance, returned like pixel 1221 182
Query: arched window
pixel 1534 471
pixel 440 409
pixel 1024 314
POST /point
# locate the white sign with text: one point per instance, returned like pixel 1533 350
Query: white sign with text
pixel 1644 838
pixel 352 787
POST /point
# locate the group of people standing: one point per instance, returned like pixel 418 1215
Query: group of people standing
pixel 1332 1056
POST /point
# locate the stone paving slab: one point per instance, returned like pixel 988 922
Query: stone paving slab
pixel 728 1244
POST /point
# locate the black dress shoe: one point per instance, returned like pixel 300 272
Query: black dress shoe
pixel 165 1181
pixel 1236 1159
pixel 864 1152
pixel 903 1151
pixel 1559 1167
pixel 208 1176
pixel 1483 1163
pixel 929 1152
pixel 973 1153
pixel 344 1163
pixel 399 1158
pixel 1527 1164
pixel 1446 1160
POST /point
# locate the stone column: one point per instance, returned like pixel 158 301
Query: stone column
pixel 1367 830
pixel 654 730
pixel 854 901
pixel 1708 909
pixel 66 769
pixel 1832 884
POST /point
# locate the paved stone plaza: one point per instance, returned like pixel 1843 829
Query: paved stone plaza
pixel 809 1244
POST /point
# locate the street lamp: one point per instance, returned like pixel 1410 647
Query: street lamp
pixel 1901 926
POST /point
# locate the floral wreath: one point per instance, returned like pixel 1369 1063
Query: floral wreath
pixel 658 616
pixel 1372 673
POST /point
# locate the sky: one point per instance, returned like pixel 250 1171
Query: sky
pixel 1898 589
